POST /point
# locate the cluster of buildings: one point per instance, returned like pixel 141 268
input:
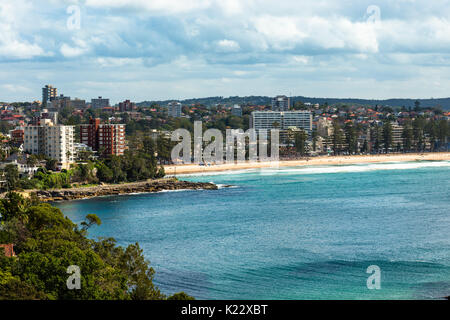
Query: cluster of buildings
pixel 51 100
pixel 42 134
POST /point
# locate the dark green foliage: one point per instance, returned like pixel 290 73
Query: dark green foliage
pixel 351 137
pixel 11 176
pixel 387 136
pixel 300 142
pixel 180 296
pixel 47 243
pixel 337 138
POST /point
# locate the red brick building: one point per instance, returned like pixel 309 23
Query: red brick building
pixel 109 138
pixel 17 136
pixel 127 105
pixel 8 250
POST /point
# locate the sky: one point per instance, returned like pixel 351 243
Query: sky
pixel 177 49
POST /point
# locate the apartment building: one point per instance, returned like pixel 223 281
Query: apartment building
pixel 48 94
pixel 54 141
pixel 17 136
pixel 397 135
pixel 111 138
pixel 108 138
pixel 280 103
pixel 127 105
pixel 236 110
pixel 99 103
pixel 45 114
pixel 174 109
pixel 78 103
pixel 266 120
pixel 59 102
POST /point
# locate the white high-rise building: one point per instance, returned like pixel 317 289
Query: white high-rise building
pixel 54 141
pixel 282 120
pixel 174 109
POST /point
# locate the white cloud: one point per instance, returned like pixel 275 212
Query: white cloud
pixel 228 45
pixel 301 59
pixel 12 46
pixel 16 88
pixel 119 62
pixel 157 6
pixel 196 43
pixel 74 51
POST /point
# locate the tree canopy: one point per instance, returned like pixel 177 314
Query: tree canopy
pixel 47 243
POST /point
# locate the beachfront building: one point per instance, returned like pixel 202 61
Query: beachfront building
pixel 397 135
pixel 54 141
pixel 266 120
pixel 324 127
pixel 107 138
pixel 280 103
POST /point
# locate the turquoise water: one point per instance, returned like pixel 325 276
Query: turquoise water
pixel 292 233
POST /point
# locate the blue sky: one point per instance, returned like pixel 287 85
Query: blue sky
pixel 175 49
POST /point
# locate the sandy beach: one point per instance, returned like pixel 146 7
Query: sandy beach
pixel 314 161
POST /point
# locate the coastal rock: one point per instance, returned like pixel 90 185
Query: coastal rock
pixel 117 189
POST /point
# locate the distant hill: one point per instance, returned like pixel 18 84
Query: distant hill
pixel 263 100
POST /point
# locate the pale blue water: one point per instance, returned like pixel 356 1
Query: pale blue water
pixel 292 233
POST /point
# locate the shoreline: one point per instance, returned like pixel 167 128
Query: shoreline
pixel 142 187
pixel 314 161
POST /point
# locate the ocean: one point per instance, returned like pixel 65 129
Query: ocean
pixel 292 232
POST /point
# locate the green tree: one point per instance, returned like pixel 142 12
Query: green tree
pixel 180 296
pixel 337 138
pixel 50 242
pixel 351 137
pixel 139 274
pixel 51 164
pixel 387 136
pixel 443 132
pixel 418 126
pixel 32 160
pixel 407 136
pixel 91 219
pixel 300 142
pixel 11 176
pixel 104 173
pixel 314 137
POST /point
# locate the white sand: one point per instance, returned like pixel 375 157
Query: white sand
pixel 323 160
